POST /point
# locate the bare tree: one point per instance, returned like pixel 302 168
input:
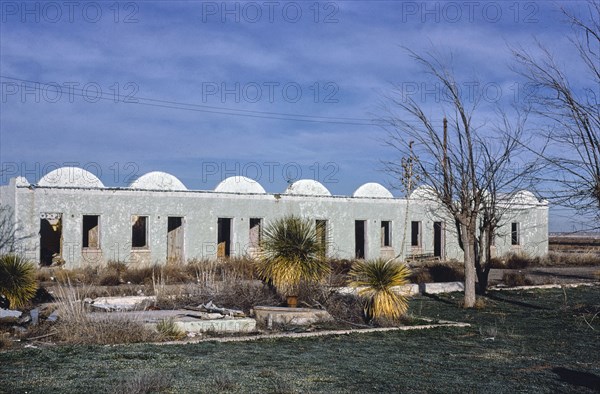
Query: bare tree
pixel 460 163
pixel 573 153
pixel 12 237
pixel 8 230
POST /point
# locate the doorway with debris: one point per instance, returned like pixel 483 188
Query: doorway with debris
pixel 175 239
pixel 50 239
pixel 223 237
pixel 359 238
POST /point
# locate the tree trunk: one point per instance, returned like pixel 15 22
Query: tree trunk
pixel 468 240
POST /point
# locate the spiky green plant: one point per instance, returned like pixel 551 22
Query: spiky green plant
pixel 374 281
pixel 17 280
pixel 291 252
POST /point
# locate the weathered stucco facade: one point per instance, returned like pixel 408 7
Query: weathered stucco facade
pixel 70 216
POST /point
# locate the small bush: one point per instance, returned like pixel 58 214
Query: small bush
pixel 139 276
pixel 5 341
pixel 513 279
pixel 497 263
pixel 345 307
pixel 169 330
pixel 422 276
pixel 446 273
pixel 340 268
pixel 109 279
pixel 519 261
pixel 17 280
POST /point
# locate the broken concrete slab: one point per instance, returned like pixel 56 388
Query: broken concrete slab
pixel 224 325
pixel 187 320
pixel 128 303
pixel 447 287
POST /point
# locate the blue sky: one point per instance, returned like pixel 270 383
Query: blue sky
pixel 205 64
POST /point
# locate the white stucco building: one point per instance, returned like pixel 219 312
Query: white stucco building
pixel 70 215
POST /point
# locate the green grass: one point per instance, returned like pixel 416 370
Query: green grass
pixel 538 338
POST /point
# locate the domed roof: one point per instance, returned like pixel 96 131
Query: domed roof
pixel 70 177
pixel 524 197
pixel 423 193
pixel 307 187
pixel 239 184
pixel 372 190
pixel 157 180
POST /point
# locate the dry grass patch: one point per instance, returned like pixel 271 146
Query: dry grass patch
pixel 77 326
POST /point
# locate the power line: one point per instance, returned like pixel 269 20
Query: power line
pixel 214 109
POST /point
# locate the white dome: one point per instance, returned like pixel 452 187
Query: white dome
pixel 423 193
pixel 372 190
pixel 524 197
pixel 70 177
pixel 157 180
pixel 307 187
pixel 239 184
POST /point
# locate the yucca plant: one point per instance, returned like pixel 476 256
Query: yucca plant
pixel 17 280
pixel 292 252
pixel 374 281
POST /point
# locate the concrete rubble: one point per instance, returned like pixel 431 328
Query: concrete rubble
pixel 129 303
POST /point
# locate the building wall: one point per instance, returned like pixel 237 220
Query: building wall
pixel 201 210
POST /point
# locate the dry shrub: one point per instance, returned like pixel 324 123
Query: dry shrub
pixel 246 295
pixel 421 276
pixel 345 307
pixel 5 341
pixel 231 269
pixel 446 273
pixel 479 303
pixel 145 382
pixel 242 295
pixel 87 275
pixel 497 263
pixel 512 279
pixel 578 259
pixel 339 272
pixel 109 279
pixel 174 274
pixel 139 275
pixel 240 268
pixel 77 326
pixel 169 330
pixel 520 261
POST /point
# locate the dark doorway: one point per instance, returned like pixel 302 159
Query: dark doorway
pixel 175 239
pixel 139 232
pixel 223 237
pixel 50 238
pixel 386 233
pixel 91 232
pixel 438 240
pixel 359 239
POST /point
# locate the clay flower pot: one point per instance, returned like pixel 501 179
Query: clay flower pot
pixel 292 301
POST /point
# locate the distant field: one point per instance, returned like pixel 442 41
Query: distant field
pixel 530 341
pixel 575 243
